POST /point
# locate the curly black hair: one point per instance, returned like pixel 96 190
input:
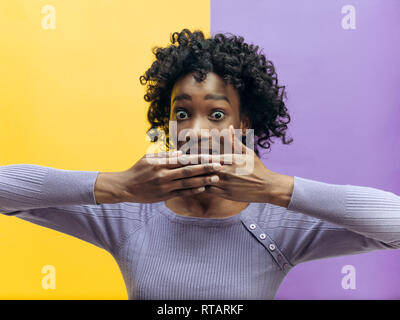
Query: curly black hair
pixel 237 63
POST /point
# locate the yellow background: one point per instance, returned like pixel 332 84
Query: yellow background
pixel 70 98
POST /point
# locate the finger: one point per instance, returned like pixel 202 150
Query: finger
pixel 166 175
pixel 190 183
pixel 184 160
pixel 206 158
pixel 192 170
pixel 164 154
pixel 218 191
pixel 237 145
pixel 162 158
pixel 186 192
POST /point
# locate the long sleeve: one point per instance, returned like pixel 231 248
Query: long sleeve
pixel 29 186
pixel 327 220
pixel 63 200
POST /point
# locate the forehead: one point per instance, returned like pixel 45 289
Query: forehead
pixel 212 84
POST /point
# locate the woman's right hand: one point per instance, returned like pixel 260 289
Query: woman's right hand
pixel 154 178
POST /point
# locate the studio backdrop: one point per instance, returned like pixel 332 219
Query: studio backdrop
pixel 70 98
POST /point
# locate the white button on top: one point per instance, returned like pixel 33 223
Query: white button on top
pixel 263 236
pixel 252 226
pixel 272 247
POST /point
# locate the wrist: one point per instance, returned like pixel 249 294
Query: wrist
pixel 108 188
pixel 280 189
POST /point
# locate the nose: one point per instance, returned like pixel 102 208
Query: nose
pixel 199 133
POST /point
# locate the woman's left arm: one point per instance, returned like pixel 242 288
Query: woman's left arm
pixel 368 211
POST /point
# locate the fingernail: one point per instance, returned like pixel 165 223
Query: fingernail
pixel 216 166
pixel 214 179
pixel 201 189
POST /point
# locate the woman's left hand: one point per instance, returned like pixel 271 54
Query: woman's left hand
pixel 244 177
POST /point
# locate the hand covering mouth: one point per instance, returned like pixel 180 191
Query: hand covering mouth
pixel 186 150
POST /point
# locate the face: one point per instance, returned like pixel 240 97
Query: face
pixel 211 105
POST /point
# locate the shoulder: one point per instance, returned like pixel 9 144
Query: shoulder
pixel 284 225
pixel 271 215
pixel 274 217
pixel 140 212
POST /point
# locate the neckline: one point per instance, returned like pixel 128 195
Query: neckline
pixel 207 222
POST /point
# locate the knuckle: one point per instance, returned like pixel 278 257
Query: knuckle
pixel 156 180
pixel 161 174
pixel 208 167
pixel 186 172
pixel 158 177
pixel 185 183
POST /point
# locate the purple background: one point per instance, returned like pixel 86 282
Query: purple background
pixel 344 100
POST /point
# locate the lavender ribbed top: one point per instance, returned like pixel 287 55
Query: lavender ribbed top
pixel 163 255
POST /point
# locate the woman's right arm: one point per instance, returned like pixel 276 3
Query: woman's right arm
pixel 97 207
pixel 29 186
pixel 64 200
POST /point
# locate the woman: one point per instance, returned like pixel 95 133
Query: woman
pixel 186 230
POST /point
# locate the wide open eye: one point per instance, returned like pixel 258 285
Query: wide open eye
pixel 181 114
pixel 218 115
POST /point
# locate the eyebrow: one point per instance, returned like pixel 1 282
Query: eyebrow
pixel 185 96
